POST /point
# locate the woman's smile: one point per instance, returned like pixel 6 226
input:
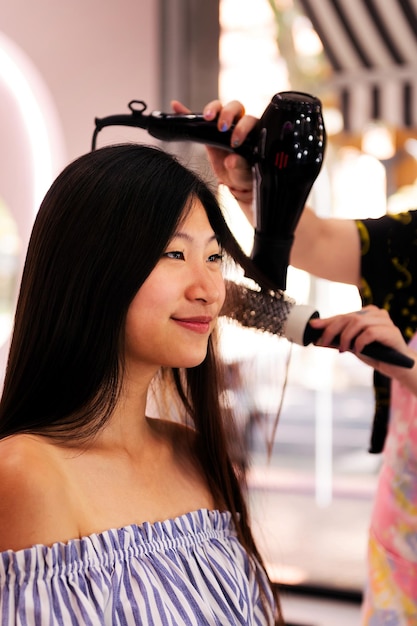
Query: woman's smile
pixel 200 324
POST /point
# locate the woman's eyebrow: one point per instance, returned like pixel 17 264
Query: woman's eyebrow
pixel 187 237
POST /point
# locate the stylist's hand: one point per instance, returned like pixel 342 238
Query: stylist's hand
pixel 360 328
pixel 231 169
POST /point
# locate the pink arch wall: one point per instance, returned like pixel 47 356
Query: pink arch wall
pixel 71 62
pixel 31 148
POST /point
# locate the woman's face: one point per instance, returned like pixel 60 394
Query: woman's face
pixel 172 315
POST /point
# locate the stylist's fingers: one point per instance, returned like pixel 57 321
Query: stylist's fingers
pixel 357 329
pixel 227 114
pixel 231 114
pixel 242 129
pixel 345 327
pixel 379 327
pixel 235 170
pixel 239 174
pixel 332 327
pixel 231 170
pixel 178 107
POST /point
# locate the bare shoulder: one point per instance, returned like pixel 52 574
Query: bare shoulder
pixel 32 498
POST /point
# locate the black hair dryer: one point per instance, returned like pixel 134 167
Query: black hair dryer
pixel 286 150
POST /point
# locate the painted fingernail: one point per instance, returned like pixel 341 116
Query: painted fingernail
pixel 235 143
pixel 208 114
pixel 224 127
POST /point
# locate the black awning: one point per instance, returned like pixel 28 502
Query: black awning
pixel 372 47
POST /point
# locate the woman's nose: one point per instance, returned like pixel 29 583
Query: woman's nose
pixel 206 285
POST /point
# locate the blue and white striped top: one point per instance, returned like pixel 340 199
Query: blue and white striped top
pixel 191 570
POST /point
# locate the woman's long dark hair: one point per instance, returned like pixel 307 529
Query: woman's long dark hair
pixel 101 229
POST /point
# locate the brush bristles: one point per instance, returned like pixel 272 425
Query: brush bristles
pixel 267 311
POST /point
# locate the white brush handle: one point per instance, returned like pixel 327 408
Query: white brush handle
pixel 294 329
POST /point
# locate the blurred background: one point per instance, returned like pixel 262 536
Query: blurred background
pixel 63 64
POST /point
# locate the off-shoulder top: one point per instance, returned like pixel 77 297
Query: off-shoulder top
pixel 191 570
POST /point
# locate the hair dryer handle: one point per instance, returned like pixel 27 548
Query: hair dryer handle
pixel 178 127
pixel 194 127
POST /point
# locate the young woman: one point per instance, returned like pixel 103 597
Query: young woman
pixel 108 516
pixel 379 256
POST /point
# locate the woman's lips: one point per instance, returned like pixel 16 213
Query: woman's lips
pixel 196 324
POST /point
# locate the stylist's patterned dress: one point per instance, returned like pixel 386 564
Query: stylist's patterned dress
pixel 389 269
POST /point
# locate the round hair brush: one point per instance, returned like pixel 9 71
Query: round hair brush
pixel 277 313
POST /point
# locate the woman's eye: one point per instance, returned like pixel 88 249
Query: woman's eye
pixel 174 254
pixel 216 258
